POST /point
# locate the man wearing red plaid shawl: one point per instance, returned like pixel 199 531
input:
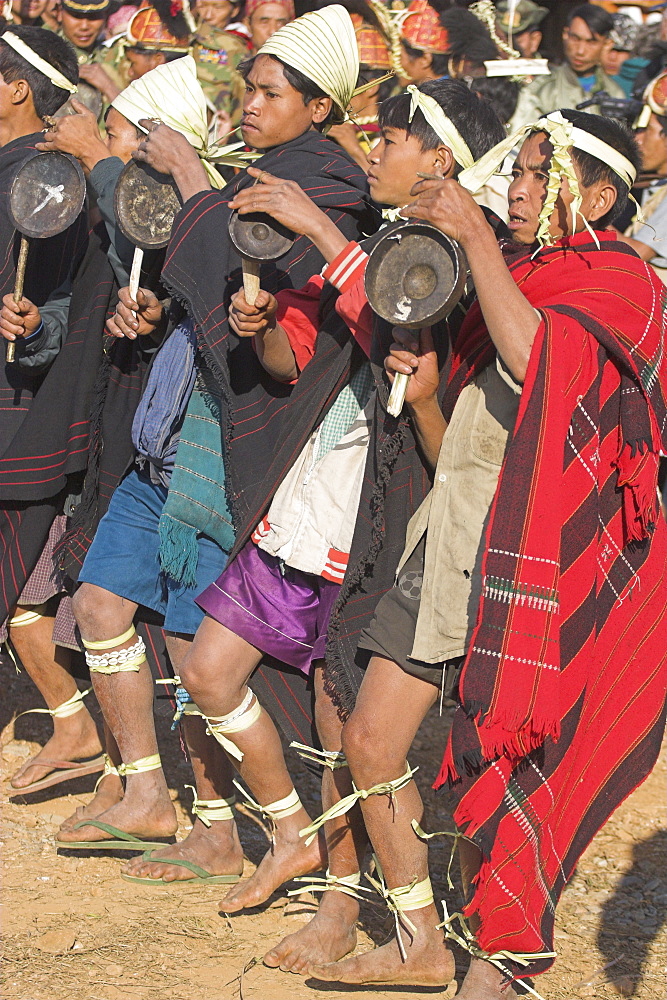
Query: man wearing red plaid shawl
pixel 561 696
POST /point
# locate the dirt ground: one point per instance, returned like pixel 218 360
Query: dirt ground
pixel 73 928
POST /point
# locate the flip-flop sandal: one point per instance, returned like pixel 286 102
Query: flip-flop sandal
pixel 65 770
pixel 202 877
pixel 122 841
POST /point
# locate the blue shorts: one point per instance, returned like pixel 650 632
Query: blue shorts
pixel 124 556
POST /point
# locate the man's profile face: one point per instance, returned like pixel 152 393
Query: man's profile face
pixel 81 31
pixel 394 164
pixel 273 111
pixel 121 135
pixel 583 48
pixel 265 21
pixel 528 191
pixel 652 142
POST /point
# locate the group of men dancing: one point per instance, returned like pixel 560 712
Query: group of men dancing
pixel 229 469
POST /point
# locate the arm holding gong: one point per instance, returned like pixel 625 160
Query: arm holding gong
pixel 169 152
pixel 289 205
pixel 271 342
pixel 511 320
pixel 413 353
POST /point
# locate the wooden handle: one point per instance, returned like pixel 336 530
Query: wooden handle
pixel 250 279
pixel 18 290
pixel 397 394
pixel 135 273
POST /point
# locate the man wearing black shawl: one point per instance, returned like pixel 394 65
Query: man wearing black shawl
pixel 283 114
pixel 39 72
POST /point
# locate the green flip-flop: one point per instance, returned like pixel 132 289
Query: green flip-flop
pixel 201 876
pixel 121 841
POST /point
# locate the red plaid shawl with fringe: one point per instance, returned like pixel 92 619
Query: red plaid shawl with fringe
pixel 563 689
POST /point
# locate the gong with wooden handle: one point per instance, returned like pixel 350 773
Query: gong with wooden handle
pixel 146 203
pixel 415 276
pixel 45 198
pixel 257 237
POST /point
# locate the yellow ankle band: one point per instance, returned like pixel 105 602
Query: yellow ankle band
pixel 402 899
pixel 110 643
pixel 212 810
pixel 109 768
pixel 274 811
pixel 151 763
pixel 69 707
pixel 349 885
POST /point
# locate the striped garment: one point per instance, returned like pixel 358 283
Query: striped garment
pixel 564 686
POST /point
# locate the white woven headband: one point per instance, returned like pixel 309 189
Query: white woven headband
pixel 443 126
pixel 54 75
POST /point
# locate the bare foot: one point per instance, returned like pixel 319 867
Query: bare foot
pixel 287 858
pixel 429 962
pixel 73 739
pixel 216 849
pixel 328 937
pixel 108 793
pixel 484 982
pixel 146 813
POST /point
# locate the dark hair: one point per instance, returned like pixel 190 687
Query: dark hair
pixel 598 20
pixel 476 120
pixel 46 97
pixel 360 7
pixel 501 93
pixel 619 137
pixel 439 61
pixel 468 37
pixel 309 91
pixel 663 122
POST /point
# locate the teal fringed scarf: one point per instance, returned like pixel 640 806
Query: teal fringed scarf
pixel 197 501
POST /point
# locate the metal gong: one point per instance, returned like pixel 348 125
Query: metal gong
pixel 47 194
pixel 88 95
pixel 146 204
pixel 259 237
pixel 415 275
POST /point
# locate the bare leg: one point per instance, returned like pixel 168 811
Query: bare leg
pixel 215 848
pixel 376 739
pixel 126 700
pixel 215 672
pixel 331 934
pixel 483 981
pixel 47 665
pixel 108 792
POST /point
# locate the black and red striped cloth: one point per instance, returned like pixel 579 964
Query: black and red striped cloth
pixel 564 686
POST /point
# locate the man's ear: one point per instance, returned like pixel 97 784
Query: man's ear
pixel 603 199
pixel 445 161
pixel 321 106
pixel 426 60
pixel 20 91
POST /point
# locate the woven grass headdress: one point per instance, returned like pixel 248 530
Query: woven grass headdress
pixel 322 45
pixel 172 94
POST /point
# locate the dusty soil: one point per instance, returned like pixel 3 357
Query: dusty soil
pixel 73 929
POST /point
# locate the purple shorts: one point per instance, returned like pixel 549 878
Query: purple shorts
pixel 283 614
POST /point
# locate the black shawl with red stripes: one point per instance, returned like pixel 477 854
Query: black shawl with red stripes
pixel 203 270
pixel 49 263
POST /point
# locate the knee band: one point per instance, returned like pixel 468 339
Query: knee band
pixel 115 661
pixel 25 618
pixel 242 718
